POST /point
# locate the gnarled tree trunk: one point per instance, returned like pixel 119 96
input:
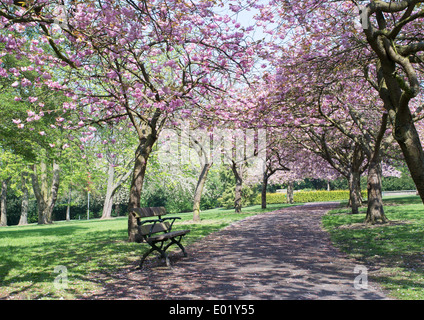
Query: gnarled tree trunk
pixel 375 211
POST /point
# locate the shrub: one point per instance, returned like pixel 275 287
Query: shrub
pixel 318 196
pixel 272 198
pixel 308 196
pixel 227 199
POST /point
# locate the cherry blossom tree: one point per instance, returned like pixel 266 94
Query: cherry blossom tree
pixel 143 61
pixel 378 39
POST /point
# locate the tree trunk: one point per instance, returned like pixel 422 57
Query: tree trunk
pixel 264 186
pixel 375 211
pixel 107 205
pixel 68 207
pixel 409 142
pixel 199 190
pixel 290 192
pixel 396 102
pixel 46 199
pixel 238 188
pixel 3 196
pixel 111 190
pixel 23 220
pixel 354 194
pixel 141 157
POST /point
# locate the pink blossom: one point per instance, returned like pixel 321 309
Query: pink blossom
pixel 42 133
pixel 25 82
pixel 16 121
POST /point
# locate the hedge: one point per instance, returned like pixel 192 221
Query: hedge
pixel 272 198
pixel 308 196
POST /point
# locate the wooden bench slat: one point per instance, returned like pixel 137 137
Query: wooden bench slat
pixel 168 235
pixel 158 227
pixel 149 212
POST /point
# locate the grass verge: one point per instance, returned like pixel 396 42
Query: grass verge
pixel 393 252
pixel 30 254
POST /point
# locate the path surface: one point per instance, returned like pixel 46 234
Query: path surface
pixel 280 255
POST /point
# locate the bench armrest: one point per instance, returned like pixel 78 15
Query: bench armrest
pixel 173 220
pixel 140 223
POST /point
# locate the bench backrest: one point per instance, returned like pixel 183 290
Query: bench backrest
pixel 151 228
pixel 148 212
pixel 157 227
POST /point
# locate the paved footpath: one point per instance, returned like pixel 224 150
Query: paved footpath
pixel 280 255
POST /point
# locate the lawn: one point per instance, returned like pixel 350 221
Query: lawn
pixel 30 254
pixel 393 252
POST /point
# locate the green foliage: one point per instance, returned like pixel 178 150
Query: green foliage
pixel 405 182
pixel 228 197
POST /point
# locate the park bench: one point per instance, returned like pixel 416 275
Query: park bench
pixel 157 232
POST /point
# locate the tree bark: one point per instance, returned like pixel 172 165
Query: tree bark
pixel 238 188
pixel 375 210
pixel 141 157
pixel 355 198
pixel 264 186
pixel 46 199
pixel 3 196
pixel 408 139
pixel 290 192
pixel 68 207
pixel 111 190
pixel 107 205
pixel 23 220
pixel 199 190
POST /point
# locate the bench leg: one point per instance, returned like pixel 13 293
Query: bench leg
pixel 181 247
pixel 178 243
pixel 162 252
pixel 145 256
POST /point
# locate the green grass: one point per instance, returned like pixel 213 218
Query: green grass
pixel 29 254
pixel 394 251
